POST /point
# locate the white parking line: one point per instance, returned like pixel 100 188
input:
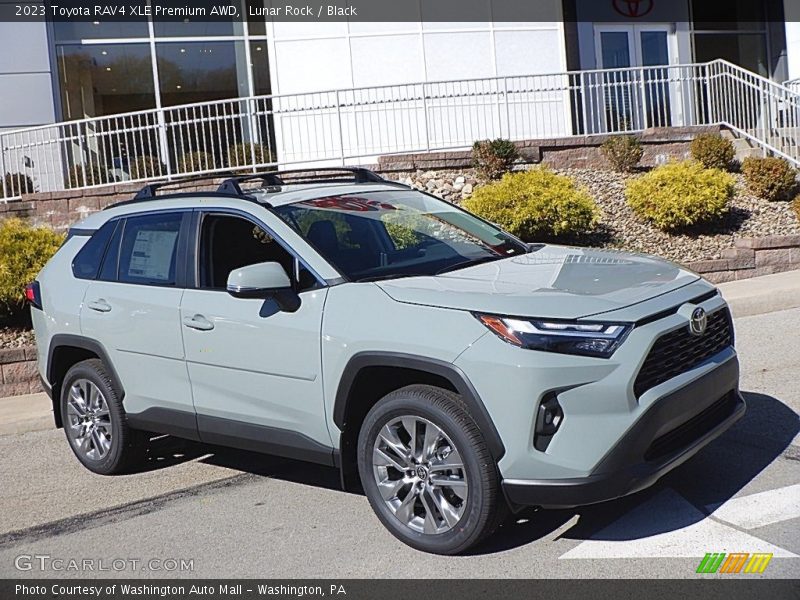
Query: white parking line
pixel 758 510
pixel 668 526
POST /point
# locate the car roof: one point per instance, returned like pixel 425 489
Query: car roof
pixel 269 196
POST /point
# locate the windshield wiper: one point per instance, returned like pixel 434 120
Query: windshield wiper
pixel 469 263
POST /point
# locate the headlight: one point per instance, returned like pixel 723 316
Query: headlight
pixel 565 337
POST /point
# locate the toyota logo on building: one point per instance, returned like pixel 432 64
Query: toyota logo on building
pixel 698 322
pixel 633 8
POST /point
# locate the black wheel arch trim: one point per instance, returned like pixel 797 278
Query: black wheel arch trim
pixel 62 340
pixel 440 368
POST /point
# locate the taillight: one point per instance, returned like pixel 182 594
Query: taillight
pixel 33 294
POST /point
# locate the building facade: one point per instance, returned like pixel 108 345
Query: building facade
pixel 61 72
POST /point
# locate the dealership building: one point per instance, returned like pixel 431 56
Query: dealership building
pixel 58 72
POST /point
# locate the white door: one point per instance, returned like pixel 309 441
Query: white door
pixel 635 99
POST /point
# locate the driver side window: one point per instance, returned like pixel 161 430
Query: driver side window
pixel 229 242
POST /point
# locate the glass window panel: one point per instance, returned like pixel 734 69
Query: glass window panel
pixel 201 71
pixel 195 28
pixel 256 25
pixel 82 30
pixel 655 48
pixel 260 64
pixel 743 49
pixel 104 79
pixel 728 15
pixel 149 249
pixel 615 49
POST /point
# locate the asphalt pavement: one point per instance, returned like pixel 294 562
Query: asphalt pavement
pixel 195 511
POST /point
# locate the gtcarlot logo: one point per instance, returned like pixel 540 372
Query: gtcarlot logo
pixel 45 562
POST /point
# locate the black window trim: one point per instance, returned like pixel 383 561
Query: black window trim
pixel 193 250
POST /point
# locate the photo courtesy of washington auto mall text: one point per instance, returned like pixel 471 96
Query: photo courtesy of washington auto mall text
pixel 486 299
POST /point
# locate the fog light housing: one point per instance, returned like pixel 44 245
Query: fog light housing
pixel 548 419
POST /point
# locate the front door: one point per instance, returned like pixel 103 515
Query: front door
pixel 255 370
pixel 634 98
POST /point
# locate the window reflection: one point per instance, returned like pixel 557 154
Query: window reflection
pixel 201 71
pixel 104 79
pixel 81 30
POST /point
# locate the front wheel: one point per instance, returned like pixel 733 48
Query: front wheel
pixel 427 472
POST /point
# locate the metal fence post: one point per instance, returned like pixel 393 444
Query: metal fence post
pixel 341 127
pixel 425 117
pixel 508 110
pixel 162 142
pixel 3 166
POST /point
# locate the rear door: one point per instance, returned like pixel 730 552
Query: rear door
pixel 133 309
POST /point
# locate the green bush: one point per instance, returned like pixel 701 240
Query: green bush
pixel 769 178
pixel 95 175
pixel 240 155
pixel 680 194
pixel 195 161
pixel 713 151
pixel 493 158
pixel 146 167
pixel 23 252
pixel 18 184
pixel 623 152
pixel 535 204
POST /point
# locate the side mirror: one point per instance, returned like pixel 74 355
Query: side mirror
pixel 261 280
pixel 266 281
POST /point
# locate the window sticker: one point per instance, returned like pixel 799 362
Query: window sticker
pixel 152 254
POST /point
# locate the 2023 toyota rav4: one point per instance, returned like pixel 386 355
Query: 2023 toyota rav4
pixel 442 364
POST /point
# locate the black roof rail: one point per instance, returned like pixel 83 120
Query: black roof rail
pixel 275 178
pixel 148 192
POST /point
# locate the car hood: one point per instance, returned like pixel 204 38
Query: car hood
pixel 553 281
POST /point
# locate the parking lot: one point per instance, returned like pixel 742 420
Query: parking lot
pixel 195 511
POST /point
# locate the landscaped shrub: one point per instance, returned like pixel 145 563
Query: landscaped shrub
pixel 769 178
pixel 23 252
pixel 493 158
pixel 18 184
pixel 680 194
pixel 623 152
pixel 535 204
pixel 145 167
pixel 240 154
pixel 95 175
pixel 195 161
pixel 713 151
pixel 796 207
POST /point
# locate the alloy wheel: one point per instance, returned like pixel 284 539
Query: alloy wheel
pixel 89 420
pixel 420 474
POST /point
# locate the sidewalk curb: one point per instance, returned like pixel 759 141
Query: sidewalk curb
pixel 761 295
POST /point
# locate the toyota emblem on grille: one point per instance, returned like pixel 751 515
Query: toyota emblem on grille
pixel 698 322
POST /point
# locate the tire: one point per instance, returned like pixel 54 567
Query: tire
pixel 95 422
pixel 420 500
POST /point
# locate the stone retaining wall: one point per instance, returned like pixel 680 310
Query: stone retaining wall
pixel 752 257
pixel 577 152
pixel 18 372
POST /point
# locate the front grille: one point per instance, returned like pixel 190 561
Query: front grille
pixel 695 428
pixel 678 351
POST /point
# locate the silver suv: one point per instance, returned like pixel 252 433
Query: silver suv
pixel 446 368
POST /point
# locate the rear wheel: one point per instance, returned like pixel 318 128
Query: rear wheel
pixel 427 472
pixel 94 421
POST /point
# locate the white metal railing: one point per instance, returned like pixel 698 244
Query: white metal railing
pixel 355 125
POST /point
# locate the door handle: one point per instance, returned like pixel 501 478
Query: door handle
pixel 198 322
pixel 99 305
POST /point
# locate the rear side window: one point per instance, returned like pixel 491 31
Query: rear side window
pixel 87 262
pixel 149 251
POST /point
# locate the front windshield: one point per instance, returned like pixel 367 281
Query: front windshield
pixel 397 233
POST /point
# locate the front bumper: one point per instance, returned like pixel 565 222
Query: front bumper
pixel 670 432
